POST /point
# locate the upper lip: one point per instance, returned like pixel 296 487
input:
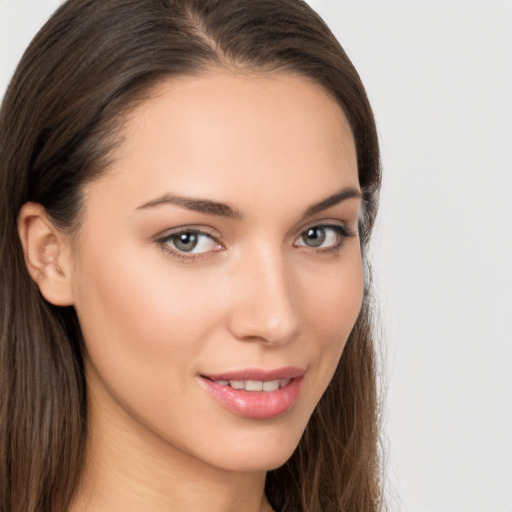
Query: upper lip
pixel 258 374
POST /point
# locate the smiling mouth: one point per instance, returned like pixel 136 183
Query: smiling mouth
pixel 253 385
pixel 256 394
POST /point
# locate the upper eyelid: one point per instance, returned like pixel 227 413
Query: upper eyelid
pixel 202 230
pixel 166 244
pixel 328 223
pixel 341 229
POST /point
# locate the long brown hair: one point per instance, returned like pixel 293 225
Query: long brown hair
pixel 61 117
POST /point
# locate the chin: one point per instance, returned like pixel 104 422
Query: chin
pixel 260 462
pixel 256 451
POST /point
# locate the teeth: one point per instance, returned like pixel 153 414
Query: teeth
pixel 271 385
pixel 255 385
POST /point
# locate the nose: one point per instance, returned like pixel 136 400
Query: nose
pixel 263 307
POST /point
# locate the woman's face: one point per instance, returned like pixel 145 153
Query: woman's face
pixel 219 251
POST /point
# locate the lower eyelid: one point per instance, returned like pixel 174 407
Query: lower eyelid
pixel 341 233
pixel 167 245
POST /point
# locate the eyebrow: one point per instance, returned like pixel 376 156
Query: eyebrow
pixel 223 210
pixel 198 205
pixel 342 195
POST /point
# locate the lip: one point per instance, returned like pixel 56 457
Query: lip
pixel 256 404
pixel 290 372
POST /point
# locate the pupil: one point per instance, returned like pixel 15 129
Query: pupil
pixel 314 237
pixel 186 242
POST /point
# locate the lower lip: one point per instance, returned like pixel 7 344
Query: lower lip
pixel 259 405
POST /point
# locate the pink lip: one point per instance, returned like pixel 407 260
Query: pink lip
pixel 290 372
pixel 256 404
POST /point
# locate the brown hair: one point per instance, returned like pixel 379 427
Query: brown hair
pixel 60 118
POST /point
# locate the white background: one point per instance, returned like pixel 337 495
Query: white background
pixel 439 74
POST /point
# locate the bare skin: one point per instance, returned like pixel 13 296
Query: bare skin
pixel 167 294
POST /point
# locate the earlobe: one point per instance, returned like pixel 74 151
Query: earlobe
pixel 46 251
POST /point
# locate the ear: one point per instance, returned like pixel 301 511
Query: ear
pixel 47 254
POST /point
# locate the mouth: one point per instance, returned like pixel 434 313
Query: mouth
pixel 254 385
pixel 256 394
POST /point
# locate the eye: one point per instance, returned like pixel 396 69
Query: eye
pixel 324 237
pixel 189 242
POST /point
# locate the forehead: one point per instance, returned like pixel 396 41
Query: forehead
pixel 221 134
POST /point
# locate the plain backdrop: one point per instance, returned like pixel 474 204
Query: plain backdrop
pixel 439 75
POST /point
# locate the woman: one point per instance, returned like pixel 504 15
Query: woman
pixel 189 188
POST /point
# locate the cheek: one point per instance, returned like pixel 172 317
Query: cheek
pixel 136 291
pixel 145 328
pixel 135 314
pixel 333 304
pixel 330 314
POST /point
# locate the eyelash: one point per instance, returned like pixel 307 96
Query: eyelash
pixel 342 232
pixel 165 244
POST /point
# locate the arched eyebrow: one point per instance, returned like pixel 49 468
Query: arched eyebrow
pixel 223 210
pixel 198 205
pixel 342 195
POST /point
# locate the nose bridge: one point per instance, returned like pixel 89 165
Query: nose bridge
pixel 263 305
